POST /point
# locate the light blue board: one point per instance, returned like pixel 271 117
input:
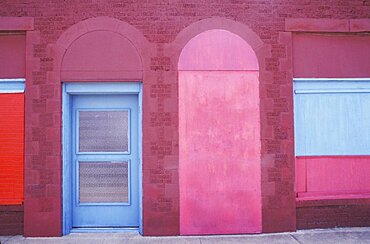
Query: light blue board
pixel 332 117
pixel 67 173
pixel 12 85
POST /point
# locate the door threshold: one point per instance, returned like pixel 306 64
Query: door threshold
pixel 102 230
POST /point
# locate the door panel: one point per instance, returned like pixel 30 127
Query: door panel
pixel 105 161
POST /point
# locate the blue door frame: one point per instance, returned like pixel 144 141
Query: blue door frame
pixel 93 88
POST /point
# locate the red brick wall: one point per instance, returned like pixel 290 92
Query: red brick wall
pixel 333 213
pixel 11 220
pixel 160 22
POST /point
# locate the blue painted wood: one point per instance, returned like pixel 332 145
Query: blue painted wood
pixel 103 88
pixel 107 214
pixel 70 90
pixel 102 230
pixel 66 154
pixel 12 85
pixel 332 117
pixel 140 138
pixel 323 85
pixel 314 91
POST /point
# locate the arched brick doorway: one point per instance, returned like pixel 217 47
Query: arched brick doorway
pixel 101 59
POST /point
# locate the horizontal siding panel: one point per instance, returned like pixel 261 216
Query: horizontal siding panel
pixel 334 175
pixel 331 123
pixel 11 148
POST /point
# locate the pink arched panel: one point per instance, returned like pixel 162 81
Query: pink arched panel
pixel 217 50
pixel 219 136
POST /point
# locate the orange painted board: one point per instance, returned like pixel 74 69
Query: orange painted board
pixel 11 148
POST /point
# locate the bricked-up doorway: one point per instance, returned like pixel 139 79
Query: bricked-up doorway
pixel 219 136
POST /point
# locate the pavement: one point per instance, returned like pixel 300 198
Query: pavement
pixel 317 236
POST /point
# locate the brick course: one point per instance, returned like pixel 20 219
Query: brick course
pixel 333 213
pixel 11 220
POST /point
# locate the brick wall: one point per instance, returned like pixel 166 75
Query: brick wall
pixel 160 21
pixel 333 213
pixel 11 220
pixel 11 163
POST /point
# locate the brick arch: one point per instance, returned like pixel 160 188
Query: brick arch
pixel 101 55
pixel 276 207
pixel 51 104
pixel 101 24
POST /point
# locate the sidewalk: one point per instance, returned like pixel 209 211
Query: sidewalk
pixel 339 235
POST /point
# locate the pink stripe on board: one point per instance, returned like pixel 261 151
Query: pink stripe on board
pixel 332 176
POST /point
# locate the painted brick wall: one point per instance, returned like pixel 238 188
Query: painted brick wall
pixel 160 21
pixel 11 220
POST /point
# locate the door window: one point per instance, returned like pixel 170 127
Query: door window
pixel 103 131
pixel 102 182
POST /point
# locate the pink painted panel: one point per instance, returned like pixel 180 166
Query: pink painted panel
pixel 300 175
pixel 12 56
pixel 337 174
pixel 331 56
pixel 217 50
pixel 101 55
pixel 219 136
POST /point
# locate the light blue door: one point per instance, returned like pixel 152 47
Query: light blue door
pixel 105 161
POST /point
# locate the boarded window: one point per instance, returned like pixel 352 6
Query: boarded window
pixel 11 148
pixel 332 117
pixel 12 65
pixel 12 55
pixel 331 56
pixel 332 142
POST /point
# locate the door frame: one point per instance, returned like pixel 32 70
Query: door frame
pixel 81 88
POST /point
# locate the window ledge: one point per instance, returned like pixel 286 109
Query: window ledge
pixel 312 200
